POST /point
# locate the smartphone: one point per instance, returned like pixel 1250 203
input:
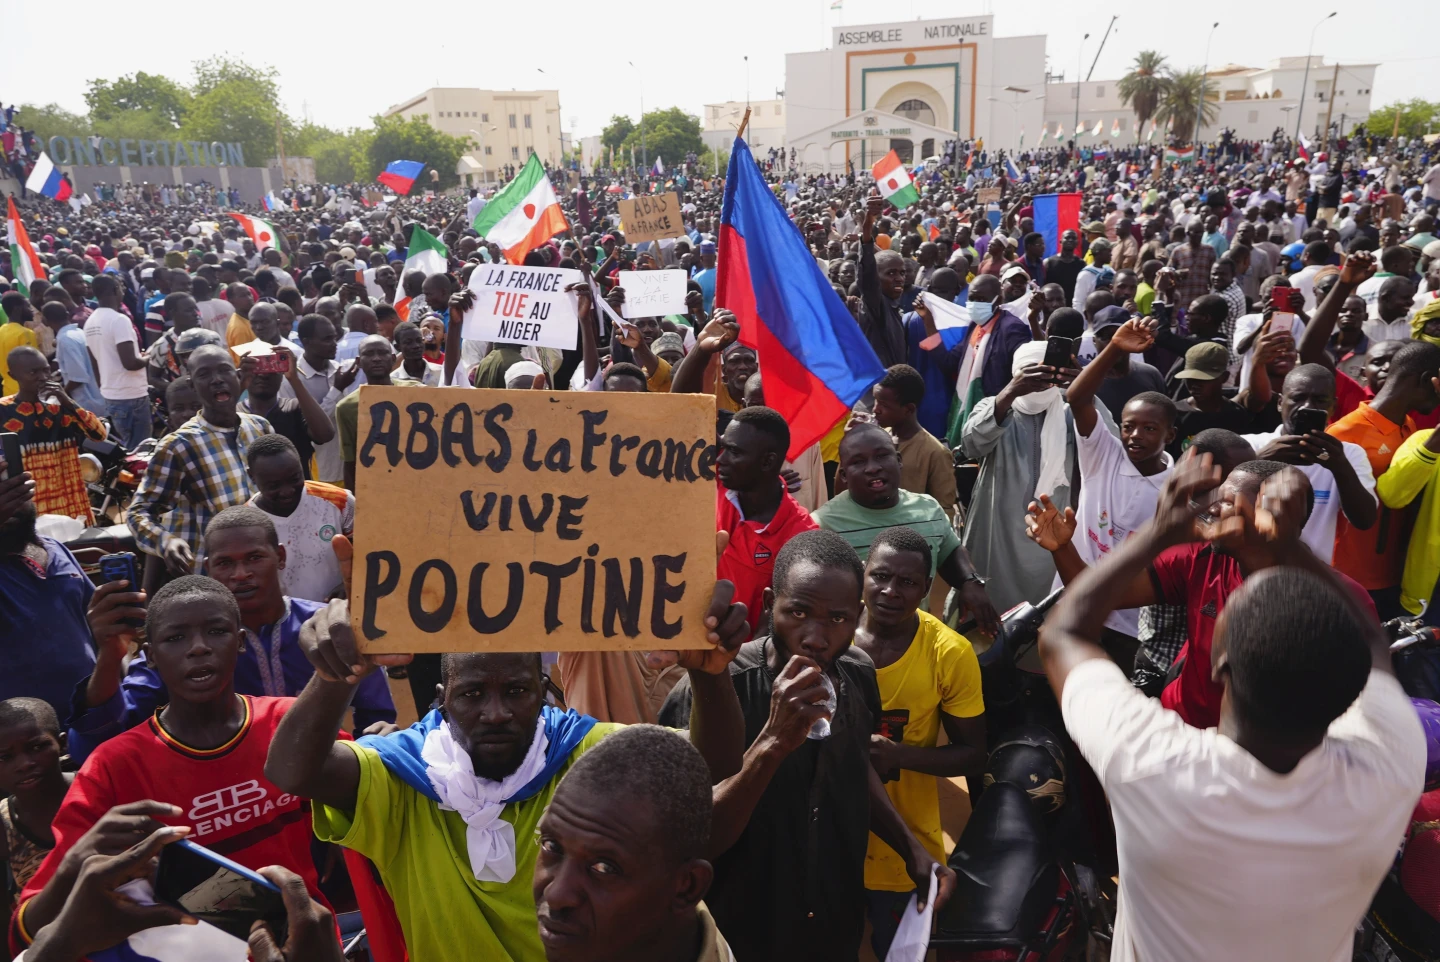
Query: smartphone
pixel 1280 298
pixel 1309 421
pixel 121 567
pixel 1058 352
pixel 216 890
pixel 10 450
pixel 276 363
pixel 627 257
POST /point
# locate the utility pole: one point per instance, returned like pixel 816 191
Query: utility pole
pixel 280 148
pixel 1079 59
pixel 1330 107
pixel 1101 50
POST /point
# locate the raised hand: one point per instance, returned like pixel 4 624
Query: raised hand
pixel 1358 268
pixel 1135 336
pixel 1048 526
pixel 797 701
pixel 719 333
pixel 1183 511
pixel 328 641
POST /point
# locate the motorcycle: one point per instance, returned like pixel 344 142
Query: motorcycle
pixel 111 475
pixel 1026 886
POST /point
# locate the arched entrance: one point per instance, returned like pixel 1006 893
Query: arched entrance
pixel 914 109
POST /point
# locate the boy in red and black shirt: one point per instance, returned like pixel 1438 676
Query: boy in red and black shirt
pixel 201 759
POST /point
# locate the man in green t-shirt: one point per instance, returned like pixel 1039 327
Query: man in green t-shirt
pixel 448 809
pixel 873 501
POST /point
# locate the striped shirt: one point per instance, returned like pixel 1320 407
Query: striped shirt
pixel 196 472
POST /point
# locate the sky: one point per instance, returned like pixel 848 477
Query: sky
pixel 341 71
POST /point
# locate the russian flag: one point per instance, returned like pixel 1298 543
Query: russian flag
pixel 47 179
pixel 1011 171
pixel 271 202
pixel 400 175
pixel 816 361
pixel 1054 214
pixel 1303 148
pixel 952 321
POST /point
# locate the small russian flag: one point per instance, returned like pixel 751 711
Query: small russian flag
pixel 1011 171
pixel 952 321
pixel 271 202
pixel 47 179
pixel 400 175
pixel 659 167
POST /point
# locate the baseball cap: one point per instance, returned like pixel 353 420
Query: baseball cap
pixel 1207 361
pixel 1094 227
pixel 195 338
pixel 669 341
pixel 1012 270
pixel 1112 316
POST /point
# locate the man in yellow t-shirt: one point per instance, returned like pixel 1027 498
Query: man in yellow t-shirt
pixel 928 676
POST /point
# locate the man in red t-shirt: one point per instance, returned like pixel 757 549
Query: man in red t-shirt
pixel 752 504
pixel 200 763
pixel 1201 575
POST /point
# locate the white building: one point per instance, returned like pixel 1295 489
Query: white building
pixel 1251 101
pixel 766 129
pixel 504 126
pixel 851 103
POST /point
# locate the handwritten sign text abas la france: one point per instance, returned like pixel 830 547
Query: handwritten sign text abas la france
pixel 532 521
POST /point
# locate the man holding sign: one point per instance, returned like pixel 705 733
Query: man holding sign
pixel 447 810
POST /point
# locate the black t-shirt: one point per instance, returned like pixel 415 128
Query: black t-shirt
pixel 1063 272
pixel 287 419
pixel 1116 392
pixel 1231 416
pixel 792 888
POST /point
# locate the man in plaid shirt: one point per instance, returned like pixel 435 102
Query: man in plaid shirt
pixel 197 470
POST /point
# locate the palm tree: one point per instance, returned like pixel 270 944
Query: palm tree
pixel 1181 97
pixel 1144 86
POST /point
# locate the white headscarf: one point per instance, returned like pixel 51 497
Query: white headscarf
pixel 489 839
pixel 1054 434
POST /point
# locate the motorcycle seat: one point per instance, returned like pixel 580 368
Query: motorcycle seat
pixel 1006 873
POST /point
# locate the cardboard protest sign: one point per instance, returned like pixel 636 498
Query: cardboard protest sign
pixel 652 293
pixel 532 521
pixel 651 217
pixel 523 305
pixel 987 195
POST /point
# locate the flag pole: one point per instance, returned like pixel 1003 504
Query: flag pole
pixel 743 121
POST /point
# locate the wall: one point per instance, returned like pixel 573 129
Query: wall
pixel 252 182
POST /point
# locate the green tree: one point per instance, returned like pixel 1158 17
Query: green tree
pixel 668 134
pixel 395 138
pixel 1143 87
pixel 708 160
pixel 1417 118
pixel 115 100
pixel 616 131
pixel 51 120
pixel 1181 98
pixel 235 101
pixel 332 151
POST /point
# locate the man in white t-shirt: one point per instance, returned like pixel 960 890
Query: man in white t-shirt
pixel 474 206
pixel 307 515
pixel 110 337
pixel 1339 471
pixel 1316 258
pixel 1120 477
pixel 1264 838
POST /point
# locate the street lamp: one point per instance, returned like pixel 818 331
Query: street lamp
pixel 1200 101
pixel 1300 114
pixel 1079 62
pixel 643 161
pixel 1014 104
pixel 480 142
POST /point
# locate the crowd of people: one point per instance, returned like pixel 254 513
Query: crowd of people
pixel 1207 411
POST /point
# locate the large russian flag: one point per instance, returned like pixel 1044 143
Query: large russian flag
pixel 815 359
pixel 400 175
pixel 46 179
pixel 1054 214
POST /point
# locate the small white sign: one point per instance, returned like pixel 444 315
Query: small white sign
pixel 653 293
pixel 523 305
